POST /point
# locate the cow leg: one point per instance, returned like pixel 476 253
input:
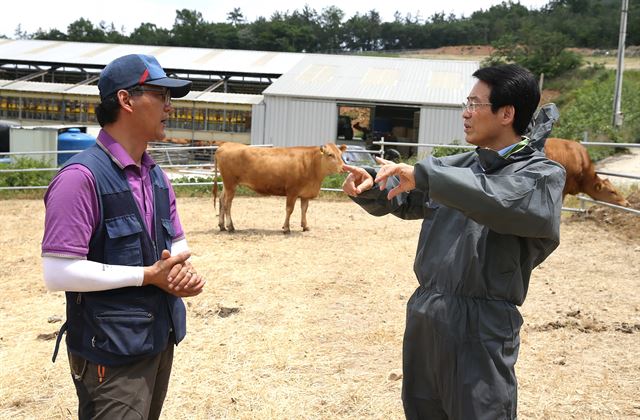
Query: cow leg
pixel 304 205
pixel 291 204
pixel 222 210
pixel 228 198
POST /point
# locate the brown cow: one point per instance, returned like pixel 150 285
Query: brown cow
pixel 581 173
pixel 287 171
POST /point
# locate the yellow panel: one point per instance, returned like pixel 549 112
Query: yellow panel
pixel 207 57
pixel 94 52
pixel 380 77
pixel 316 73
pixel 46 47
pixel 445 80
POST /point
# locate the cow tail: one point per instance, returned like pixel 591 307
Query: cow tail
pixel 215 180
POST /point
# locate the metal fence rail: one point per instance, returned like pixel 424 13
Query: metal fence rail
pixel 615 206
pixel 179 159
pixel 169 157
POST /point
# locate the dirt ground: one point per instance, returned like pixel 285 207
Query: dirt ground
pixel 309 326
pixel 480 52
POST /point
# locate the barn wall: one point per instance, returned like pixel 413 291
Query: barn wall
pixel 257 123
pixel 298 122
pixel 303 122
pixel 440 126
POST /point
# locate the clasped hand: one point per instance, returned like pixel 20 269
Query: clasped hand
pixel 175 275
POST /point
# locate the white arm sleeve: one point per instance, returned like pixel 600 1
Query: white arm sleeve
pixel 73 275
pixel 179 246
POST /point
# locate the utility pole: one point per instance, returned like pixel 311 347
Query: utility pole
pixel 617 114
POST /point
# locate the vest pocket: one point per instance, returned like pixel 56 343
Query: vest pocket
pixel 122 245
pixel 169 233
pixel 124 333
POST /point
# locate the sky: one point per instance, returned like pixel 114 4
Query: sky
pixel 127 15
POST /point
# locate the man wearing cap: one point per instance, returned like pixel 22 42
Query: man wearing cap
pixel 114 243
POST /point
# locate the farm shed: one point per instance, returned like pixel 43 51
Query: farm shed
pixel 411 100
pixel 249 96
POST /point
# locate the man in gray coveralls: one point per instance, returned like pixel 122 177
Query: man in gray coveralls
pixel 490 217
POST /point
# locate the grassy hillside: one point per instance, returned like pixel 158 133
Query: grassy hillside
pixel 585 101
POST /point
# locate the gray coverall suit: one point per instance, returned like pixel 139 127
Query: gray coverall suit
pixel 488 221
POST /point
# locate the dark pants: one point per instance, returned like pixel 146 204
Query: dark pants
pixel 134 391
pixel 459 358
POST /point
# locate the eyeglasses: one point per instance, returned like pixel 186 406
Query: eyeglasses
pixel 165 93
pixel 473 106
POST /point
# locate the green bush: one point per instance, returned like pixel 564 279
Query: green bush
pixel 22 179
pixel 30 179
pixel 441 151
pixel 589 107
pixel 334 181
pixel 540 51
pixel 192 190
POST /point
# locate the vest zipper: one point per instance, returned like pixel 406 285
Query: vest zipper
pixel 79 298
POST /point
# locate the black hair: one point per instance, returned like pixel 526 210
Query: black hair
pixel 514 85
pixel 108 109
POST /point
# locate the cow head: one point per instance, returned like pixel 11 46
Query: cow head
pixel 331 158
pixel 603 190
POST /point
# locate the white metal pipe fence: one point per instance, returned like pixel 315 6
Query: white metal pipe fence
pixel 192 164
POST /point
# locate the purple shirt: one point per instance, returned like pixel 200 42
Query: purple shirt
pixel 72 212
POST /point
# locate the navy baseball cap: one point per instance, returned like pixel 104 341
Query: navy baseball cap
pixel 137 69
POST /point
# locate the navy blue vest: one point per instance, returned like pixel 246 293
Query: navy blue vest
pixel 120 326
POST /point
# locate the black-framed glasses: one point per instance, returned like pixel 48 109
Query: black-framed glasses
pixel 473 106
pixel 165 93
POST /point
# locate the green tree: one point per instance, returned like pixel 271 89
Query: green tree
pixel 52 34
pixel 20 34
pixel 189 29
pixel 362 32
pixel 330 36
pixel 588 108
pixel 236 17
pixel 112 35
pixel 82 30
pixel 273 35
pixel 149 34
pixel 304 29
pixel 224 35
pixel 587 23
pixel 539 51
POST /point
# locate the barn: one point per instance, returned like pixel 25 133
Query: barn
pixel 255 97
pixel 409 100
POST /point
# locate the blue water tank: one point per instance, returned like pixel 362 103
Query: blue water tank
pixel 73 139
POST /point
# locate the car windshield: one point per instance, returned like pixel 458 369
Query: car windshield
pixel 358 156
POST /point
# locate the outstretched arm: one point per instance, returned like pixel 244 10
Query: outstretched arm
pixel 404 174
pixel 358 181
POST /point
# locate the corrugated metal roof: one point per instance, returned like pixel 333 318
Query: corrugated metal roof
pixel 222 98
pixel 43 87
pixel 333 77
pixel 89 90
pixel 179 59
pixel 380 80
